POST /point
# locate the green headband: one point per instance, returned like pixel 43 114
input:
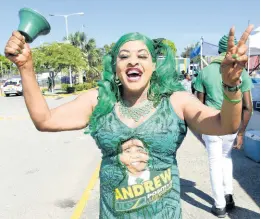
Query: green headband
pixel 222 45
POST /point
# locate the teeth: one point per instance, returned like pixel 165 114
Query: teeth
pixel 133 72
pixel 135 163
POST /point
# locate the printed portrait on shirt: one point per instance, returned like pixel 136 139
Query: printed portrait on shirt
pixel 141 184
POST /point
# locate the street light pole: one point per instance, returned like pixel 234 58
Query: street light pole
pixel 66 20
pixel 67 32
pixel 66 25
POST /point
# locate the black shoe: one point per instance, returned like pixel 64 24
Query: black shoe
pixel 219 212
pixel 230 204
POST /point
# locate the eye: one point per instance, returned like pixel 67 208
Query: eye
pixel 123 56
pixel 143 56
pixel 140 150
pixel 127 150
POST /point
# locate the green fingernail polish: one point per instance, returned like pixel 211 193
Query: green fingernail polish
pixel 234 56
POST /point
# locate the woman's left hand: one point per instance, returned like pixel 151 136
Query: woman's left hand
pixel 236 58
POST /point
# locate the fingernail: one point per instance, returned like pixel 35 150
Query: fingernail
pixel 235 56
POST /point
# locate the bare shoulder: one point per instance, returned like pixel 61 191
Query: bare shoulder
pixel 89 97
pixel 180 99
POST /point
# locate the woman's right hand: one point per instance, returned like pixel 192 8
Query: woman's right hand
pixel 18 51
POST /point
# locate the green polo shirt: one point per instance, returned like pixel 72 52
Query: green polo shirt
pixel 209 81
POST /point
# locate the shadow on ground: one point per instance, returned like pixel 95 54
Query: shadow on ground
pixel 247 173
pixel 188 187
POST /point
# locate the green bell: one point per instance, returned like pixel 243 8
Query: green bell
pixel 32 24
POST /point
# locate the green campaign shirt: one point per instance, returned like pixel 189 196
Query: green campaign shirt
pixel 139 177
pixel 209 81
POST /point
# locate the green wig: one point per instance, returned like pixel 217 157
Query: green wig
pixel 163 83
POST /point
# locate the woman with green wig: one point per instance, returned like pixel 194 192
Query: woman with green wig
pixel 138 117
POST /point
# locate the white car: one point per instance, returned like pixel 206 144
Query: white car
pixel 13 86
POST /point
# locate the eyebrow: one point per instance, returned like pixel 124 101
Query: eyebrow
pixel 125 50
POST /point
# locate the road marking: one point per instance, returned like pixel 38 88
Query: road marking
pixel 24 117
pixel 84 199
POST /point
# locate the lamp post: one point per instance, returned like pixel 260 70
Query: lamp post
pixel 66 20
pixel 67 32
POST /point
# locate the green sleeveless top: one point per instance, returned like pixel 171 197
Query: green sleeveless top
pixel 139 176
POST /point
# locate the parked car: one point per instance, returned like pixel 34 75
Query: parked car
pixel 13 86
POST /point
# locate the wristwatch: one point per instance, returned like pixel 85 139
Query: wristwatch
pixel 232 89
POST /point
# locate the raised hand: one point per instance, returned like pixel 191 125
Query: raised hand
pixel 17 51
pixel 236 58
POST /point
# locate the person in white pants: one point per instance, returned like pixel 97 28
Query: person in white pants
pixel 220 164
pixel 210 92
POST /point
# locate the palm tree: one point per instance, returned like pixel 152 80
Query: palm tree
pixel 93 57
pixel 77 39
pixel 90 51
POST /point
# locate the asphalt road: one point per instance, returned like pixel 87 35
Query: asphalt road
pixel 43 175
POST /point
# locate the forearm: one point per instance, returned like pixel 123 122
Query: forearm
pixel 35 102
pixel 245 119
pixel 201 97
pixel 230 114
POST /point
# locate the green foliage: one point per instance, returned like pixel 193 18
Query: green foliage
pixel 44 90
pixel 7 66
pixel 64 87
pixel 77 39
pixel 171 45
pixel 5 62
pixel 92 55
pixel 187 51
pixel 79 87
pixel 57 57
pixel 107 48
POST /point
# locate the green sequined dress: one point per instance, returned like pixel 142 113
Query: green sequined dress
pixel 140 180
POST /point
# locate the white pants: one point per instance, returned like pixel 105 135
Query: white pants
pixel 220 164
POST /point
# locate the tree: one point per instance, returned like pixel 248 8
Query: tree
pixel 107 48
pixel 171 45
pixel 58 57
pixel 91 53
pixel 77 39
pixel 187 51
pixel 94 58
pixel 6 66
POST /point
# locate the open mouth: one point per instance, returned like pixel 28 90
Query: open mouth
pixel 133 74
pixel 137 163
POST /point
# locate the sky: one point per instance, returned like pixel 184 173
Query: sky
pixel 182 21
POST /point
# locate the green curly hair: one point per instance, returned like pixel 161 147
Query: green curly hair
pixel 163 83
